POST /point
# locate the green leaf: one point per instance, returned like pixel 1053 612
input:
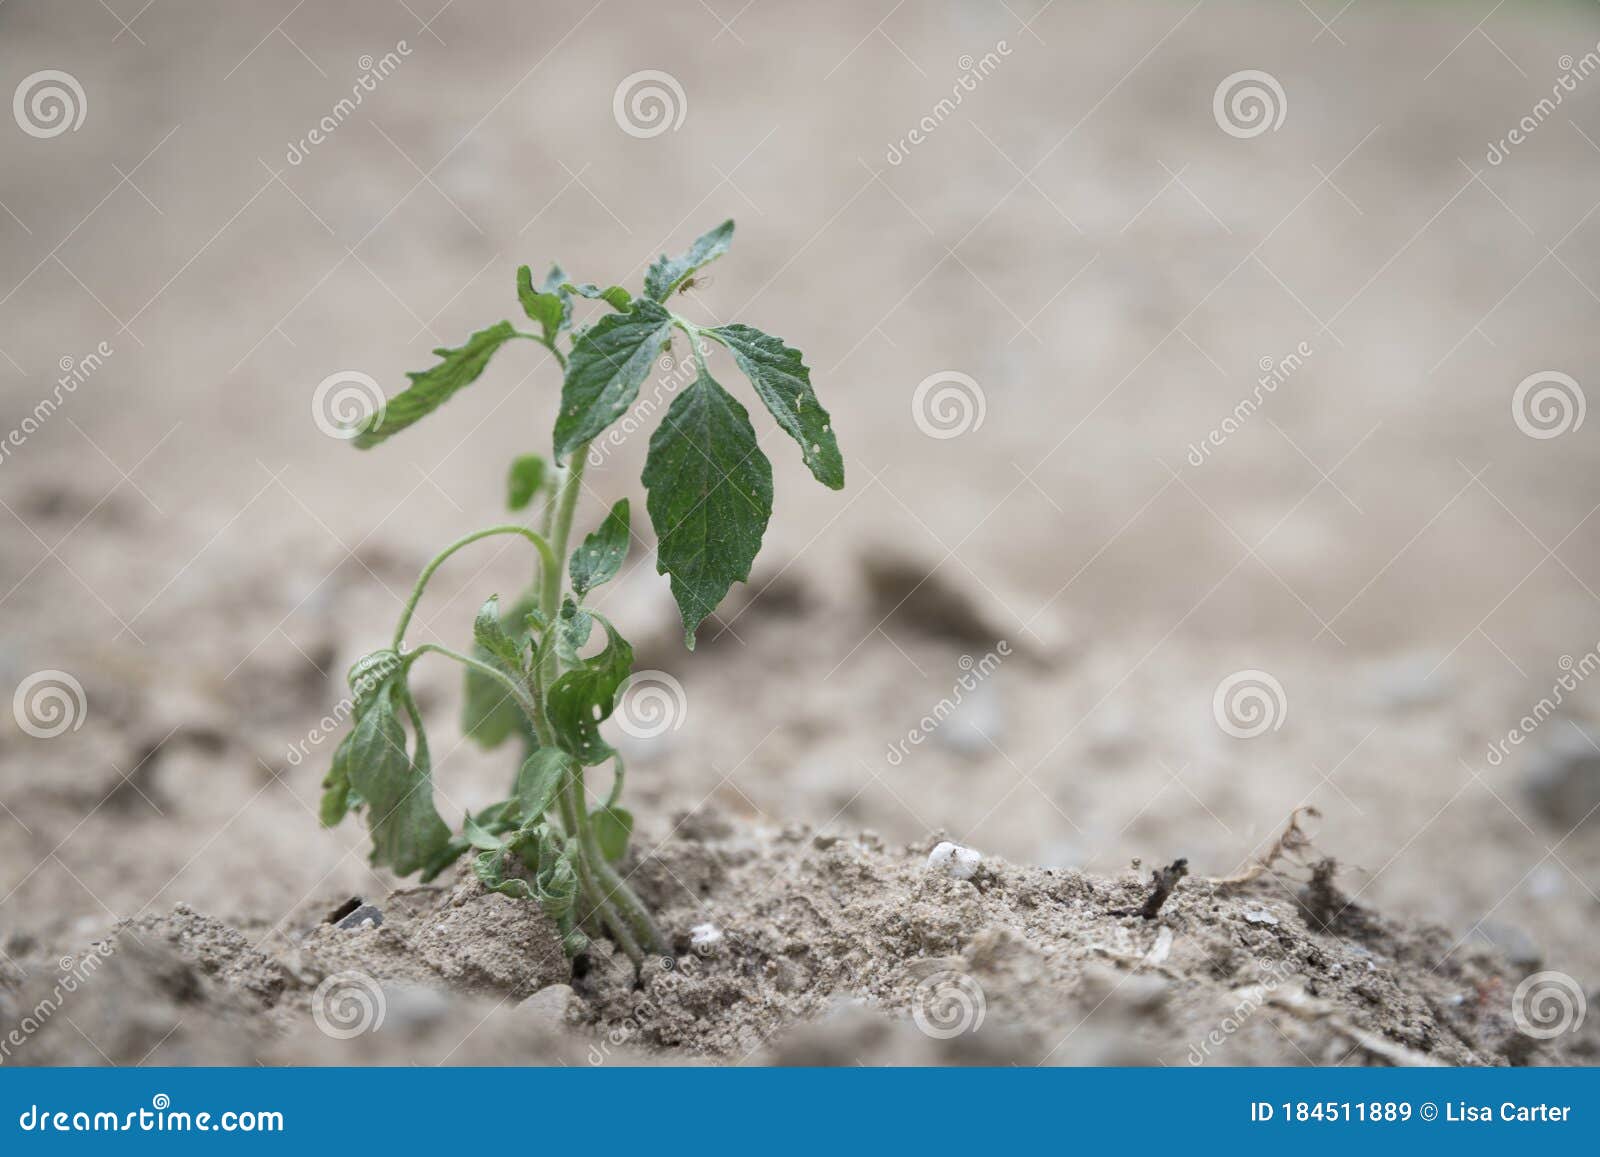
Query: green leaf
pixel 552 310
pixel 431 389
pixel 615 296
pixel 600 556
pixel 608 364
pixel 489 632
pixel 479 836
pixel 670 272
pixel 525 481
pixel 397 788
pixel 367 677
pixel 612 827
pixel 573 627
pixel 582 698
pixel 539 780
pixel 710 498
pixel 780 376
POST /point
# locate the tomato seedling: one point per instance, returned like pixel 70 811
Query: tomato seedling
pixel 709 489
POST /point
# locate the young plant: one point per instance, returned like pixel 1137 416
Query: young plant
pixel 709 492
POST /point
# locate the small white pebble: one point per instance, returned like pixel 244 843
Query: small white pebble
pixel 704 935
pixel 1259 916
pixel 954 860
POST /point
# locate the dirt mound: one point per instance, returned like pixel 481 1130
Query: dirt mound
pixel 801 948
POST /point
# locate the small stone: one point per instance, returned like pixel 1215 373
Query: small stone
pixel 547 1008
pixel 704 935
pixel 822 841
pixel 366 916
pixel 1259 916
pixel 954 860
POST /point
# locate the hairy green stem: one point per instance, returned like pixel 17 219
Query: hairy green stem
pixel 547 558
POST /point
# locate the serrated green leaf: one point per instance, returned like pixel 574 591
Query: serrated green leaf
pixel 432 388
pixel 710 496
pixel 615 296
pixel 582 698
pixel 489 632
pixel 525 481
pixel 551 309
pixel 539 780
pixel 779 374
pixel 600 556
pixel 397 788
pixel 608 363
pixel 667 273
pixel 612 828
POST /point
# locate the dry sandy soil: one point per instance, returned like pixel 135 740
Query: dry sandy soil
pixel 1109 268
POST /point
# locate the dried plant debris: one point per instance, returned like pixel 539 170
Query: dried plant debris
pixel 1291 843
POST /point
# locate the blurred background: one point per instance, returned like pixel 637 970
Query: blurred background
pixel 1210 378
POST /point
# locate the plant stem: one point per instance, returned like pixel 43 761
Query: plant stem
pixel 636 929
pixel 519 693
pixel 546 555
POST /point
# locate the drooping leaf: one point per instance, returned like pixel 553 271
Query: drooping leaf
pixel 489 632
pixel 608 363
pixel 396 787
pixel 600 556
pixel 710 498
pixel 539 780
pixel 780 376
pixel 525 481
pixel 369 676
pixel 667 273
pixel 612 828
pixel 432 388
pixel 582 698
pixel 548 875
pixel 550 308
pixel 489 712
pixel 615 296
